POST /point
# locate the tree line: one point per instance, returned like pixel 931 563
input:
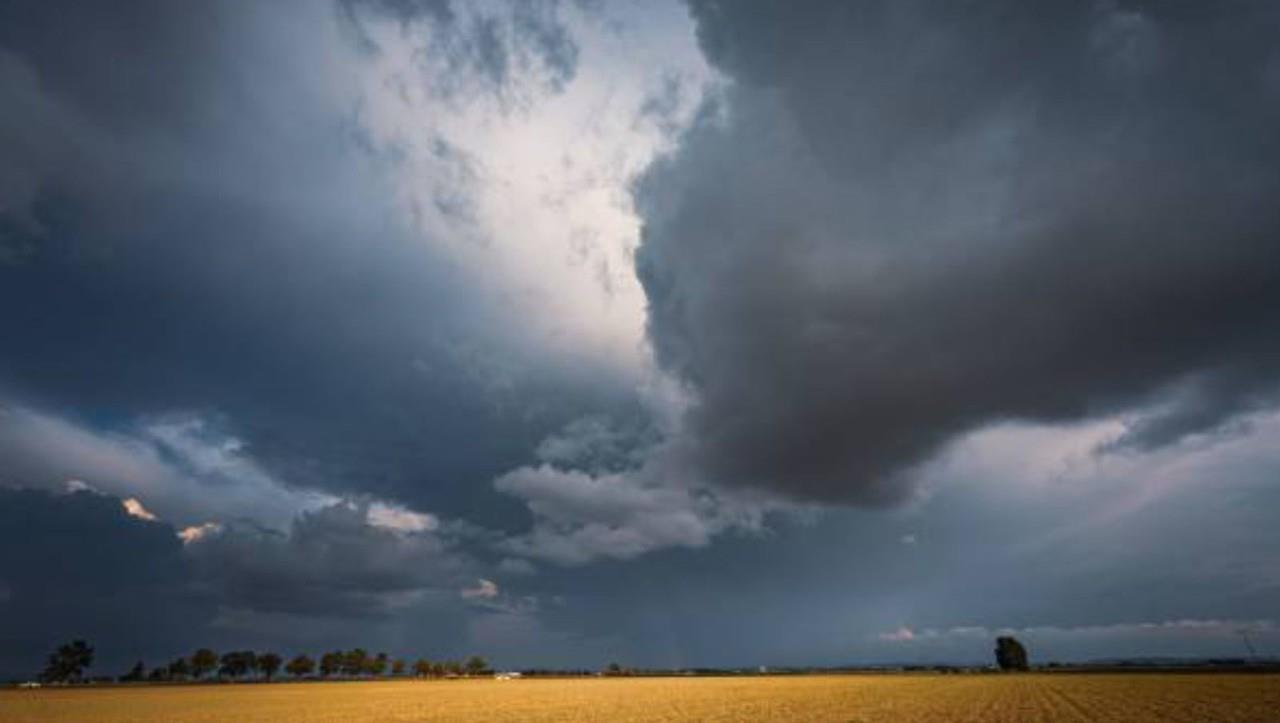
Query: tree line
pixel 68 664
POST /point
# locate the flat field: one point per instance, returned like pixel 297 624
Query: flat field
pixel 896 698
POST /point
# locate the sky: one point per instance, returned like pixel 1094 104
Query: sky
pixel 668 333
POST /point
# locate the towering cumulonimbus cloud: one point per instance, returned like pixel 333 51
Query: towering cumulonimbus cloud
pixel 905 221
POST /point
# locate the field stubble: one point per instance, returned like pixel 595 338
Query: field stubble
pixel 862 698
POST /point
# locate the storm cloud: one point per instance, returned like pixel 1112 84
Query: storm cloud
pixel 211 223
pixel 902 222
pixel 539 329
pixel 111 568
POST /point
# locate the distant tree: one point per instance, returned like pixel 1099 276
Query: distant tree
pixel 355 662
pixel 238 663
pixel 451 667
pixel 377 665
pixel 158 675
pixel 136 673
pixel 68 662
pixel 397 667
pixel 179 669
pixel 269 664
pixel 203 662
pixel 1010 654
pixel 301 665
pixel 476 665
pixel 331 663
pixel 613 669
pixel 423 668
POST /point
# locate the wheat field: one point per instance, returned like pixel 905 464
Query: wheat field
pixel 845 698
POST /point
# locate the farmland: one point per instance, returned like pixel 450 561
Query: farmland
pixel 899 698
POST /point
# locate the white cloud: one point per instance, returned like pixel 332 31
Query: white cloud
pixel 525 184
pixel 392 517
pixel 484 590
pixel 135 509
pixel 902 634
pixel 78 485
pixel 196 533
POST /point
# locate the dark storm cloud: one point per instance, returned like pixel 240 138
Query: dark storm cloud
pixel 1076 549
pixel 192 223
pixel 78 566
pixel 331 563
pixel 905 221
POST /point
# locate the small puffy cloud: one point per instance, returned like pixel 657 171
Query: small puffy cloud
pixel 902 634
pixel 73 486
pixel 908 539
pixel 399 519
pixel 196 533
pixel 135 509
pixel 483 590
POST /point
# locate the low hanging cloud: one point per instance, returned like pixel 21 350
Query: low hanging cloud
pixel 330 562
pixel 579 517
pixel 582 515
pixel 1184 636
pixel 217 582
pixel 180 468
pixel 906 221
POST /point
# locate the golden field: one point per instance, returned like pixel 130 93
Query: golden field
pixel 897 698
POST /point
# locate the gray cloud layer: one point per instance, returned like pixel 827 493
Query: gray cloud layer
pixel 199 225
pixel 898 223
pixel 905 221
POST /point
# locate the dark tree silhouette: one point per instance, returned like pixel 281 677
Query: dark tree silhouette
pixel 377 666
pixel 397 667
pixel 300 666
pixel 68 662
pixel 1010 655
pixel 423 668
pixel 203 662
pixel 355 662
pixel 238 663
pixel 136 673
pixel 179 669
pixel 476 665
pixel 331 663
pixel 269 664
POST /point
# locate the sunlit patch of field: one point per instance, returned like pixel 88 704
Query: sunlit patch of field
pixel 897 698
